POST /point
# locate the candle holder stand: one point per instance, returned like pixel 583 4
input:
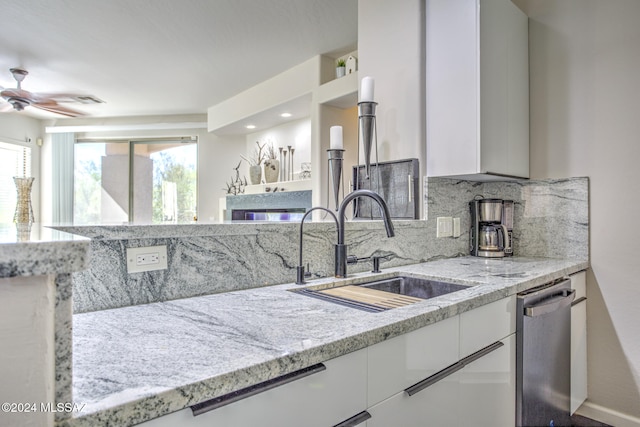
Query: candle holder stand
pixel 334 178
pixel 368 135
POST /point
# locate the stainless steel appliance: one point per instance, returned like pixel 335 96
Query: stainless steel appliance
pixel 543 355
pixel 488 236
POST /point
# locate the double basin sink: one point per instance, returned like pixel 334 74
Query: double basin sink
pixel 380 295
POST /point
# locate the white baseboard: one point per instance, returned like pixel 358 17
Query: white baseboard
pixel 606 415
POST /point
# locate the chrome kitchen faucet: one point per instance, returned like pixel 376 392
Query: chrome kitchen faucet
pixel 341 248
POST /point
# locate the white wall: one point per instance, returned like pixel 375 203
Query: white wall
pixel 585 91
pixel 391 50
pixel 20 129
pixel 296 134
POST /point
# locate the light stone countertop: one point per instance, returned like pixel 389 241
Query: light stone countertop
pixel 137 363
pixel 42 251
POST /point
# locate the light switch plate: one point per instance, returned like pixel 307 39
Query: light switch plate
pixel 456 227
pixel 148 258
pixel 445 226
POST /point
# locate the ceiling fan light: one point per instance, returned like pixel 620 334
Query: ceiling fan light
pixel 17 105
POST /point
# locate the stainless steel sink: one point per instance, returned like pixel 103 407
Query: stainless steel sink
pixel 403 286
pixel 414 287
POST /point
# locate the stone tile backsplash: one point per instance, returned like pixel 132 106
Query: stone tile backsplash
pixel 551 220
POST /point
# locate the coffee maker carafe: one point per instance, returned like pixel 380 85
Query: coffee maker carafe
pixel 488 235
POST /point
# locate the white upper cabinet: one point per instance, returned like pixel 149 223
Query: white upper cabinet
pixel 477 89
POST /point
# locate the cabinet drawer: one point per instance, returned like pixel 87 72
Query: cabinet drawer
pixel 488 388
pixel 320 399
pixel 437 405
pixel 487 324
pixel 402 361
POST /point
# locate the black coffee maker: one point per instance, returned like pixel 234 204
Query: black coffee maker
pixel 488 235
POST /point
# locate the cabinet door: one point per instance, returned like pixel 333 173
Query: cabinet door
pixel 504 88
pixel 322 399
pixel 402 361
pixel 477 88
pixel 436 405
pixel 487 324
pixel 578 342
pixel 487 388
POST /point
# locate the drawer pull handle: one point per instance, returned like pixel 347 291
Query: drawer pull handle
pixel 234 396
pixel 481 353
pixel 578 301
pixel 440 375
pixel 355 420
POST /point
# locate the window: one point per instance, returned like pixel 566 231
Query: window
pixel 135 181
pixel 15 160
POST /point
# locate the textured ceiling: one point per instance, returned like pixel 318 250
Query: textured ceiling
pixel 152 57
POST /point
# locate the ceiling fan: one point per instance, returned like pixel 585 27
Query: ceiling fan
pixel 19 98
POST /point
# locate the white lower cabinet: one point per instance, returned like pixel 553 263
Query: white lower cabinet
pixel 321 399
pixel 487 324
pixel 457 372
pixel 402 361
pixel 436 405
pixel 488 386
pixel 579 341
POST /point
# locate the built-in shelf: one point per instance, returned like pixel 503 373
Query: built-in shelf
pixel 341 92
pixel 295 185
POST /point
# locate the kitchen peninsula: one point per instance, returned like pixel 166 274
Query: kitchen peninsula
pixel 155 343
pixel 35 318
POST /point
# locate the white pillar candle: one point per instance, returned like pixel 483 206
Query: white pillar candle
pixel 366 89
pixel 335 138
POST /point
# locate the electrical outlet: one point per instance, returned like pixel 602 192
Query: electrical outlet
pixel 444 226
pixel 456 227
pixel 149 258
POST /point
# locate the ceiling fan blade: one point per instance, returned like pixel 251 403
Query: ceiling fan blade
pixel 69 97
pixel 53 107
pixel 16 93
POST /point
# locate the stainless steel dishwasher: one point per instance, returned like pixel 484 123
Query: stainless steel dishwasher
pixel 543 355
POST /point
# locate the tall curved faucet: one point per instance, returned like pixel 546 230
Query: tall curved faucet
pixel 341 248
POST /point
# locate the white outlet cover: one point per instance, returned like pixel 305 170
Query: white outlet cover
pixel 146 252
pixel 444 226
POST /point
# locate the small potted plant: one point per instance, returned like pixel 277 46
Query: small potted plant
pixel 271 165
pixel 341 67
pixel 255 163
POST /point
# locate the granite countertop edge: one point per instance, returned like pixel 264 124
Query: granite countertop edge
pixel 488 286
pixel 45 252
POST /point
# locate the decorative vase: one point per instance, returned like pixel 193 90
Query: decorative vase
pixel 340 72
pixel 271 170
pixel 255 174
pixel 23 216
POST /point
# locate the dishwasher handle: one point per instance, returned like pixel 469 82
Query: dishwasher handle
pixel 560 300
